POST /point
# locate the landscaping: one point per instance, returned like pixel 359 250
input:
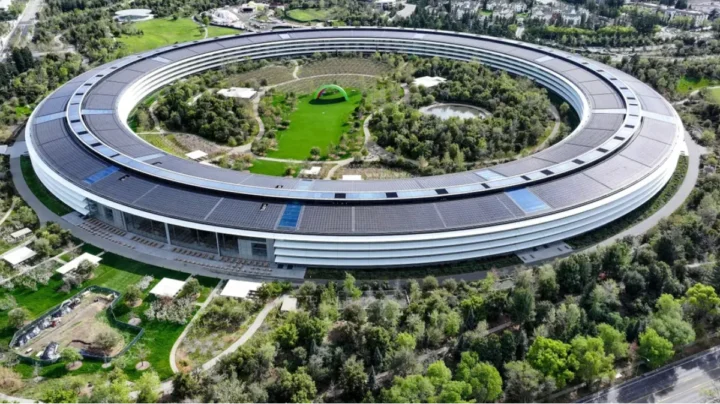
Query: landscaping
pixel 315 123
pixel 309 14
pixel 275 168
pixel 162 31
pixel 120 274
pixel 713 94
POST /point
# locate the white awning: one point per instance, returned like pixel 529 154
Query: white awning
pixel 18 255
pixel 352 177
pixel 239 289
pixel 167 287
pixel 72 265
pixel 20 233
pixel 289 304
pixel 196 155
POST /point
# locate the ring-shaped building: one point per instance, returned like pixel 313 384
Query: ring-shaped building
pixel 624 150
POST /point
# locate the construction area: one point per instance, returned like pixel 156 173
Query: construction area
pixel 75 324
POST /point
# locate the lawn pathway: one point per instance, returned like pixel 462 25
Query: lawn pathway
pixel 7 214
pixel 176 345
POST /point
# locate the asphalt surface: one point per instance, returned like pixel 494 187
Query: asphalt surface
pixel 680 382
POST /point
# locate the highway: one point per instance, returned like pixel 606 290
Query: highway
pixel 681 382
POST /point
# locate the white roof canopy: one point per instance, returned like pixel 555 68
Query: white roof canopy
pixel 72 265
pixel 239 289
pixel 18 255
pixel 20 233
pixel 428 81
pixel 289 304
pixel 196 155
pixel 238 92
pixel 167 287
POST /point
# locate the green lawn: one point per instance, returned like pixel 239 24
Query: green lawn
pixel 713 95
pixel 162 31
pixel 49 200
pixel 267 167
pixel 315 123
pixel 309 14
pixel 687 84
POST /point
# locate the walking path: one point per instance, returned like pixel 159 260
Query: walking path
pixel 176 345
pixel 7 214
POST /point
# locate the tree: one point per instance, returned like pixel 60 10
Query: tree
pixel 614 341
pixel 71 356
pixel 132 294
pixel 405 341
pixel 588 355
pixel 115 391
pixel 668 321
pixel 702 301
pixel 522 305
pixel 315 152
pixel 550 357
pixel 384 313
pixel 296 387
pixel 655 349
pixel 351 291
pixel 57 395
pixel 547 283
pixel 523 383
pixel 411 389
pixel 148 386
pixel 142 352
pixel 438 373
pixel 286 335
pixel 107 340
pixel 353 379
pixel 483 377
pixel 574 273
pixel 191 288
pixel 17 317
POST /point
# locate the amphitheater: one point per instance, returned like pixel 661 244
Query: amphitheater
pixel 623 151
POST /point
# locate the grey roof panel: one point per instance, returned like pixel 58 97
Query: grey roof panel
pixel 645 151
pixel 570 190
pixel 658 130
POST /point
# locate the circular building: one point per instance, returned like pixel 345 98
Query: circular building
pixel 623 152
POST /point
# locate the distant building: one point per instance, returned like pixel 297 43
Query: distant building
pixel 698 18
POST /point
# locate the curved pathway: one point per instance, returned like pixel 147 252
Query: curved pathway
pixel 176 345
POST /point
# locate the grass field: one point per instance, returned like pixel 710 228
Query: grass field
pixel 315 123
pixel 162 31
pixel 713 95
pixel 687 84
pixel 37 188
pixel 267 167
pixel 272 75
pixel 309 14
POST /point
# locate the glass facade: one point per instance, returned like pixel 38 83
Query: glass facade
pixel 191 238
pixel 146 227
pixel 230 246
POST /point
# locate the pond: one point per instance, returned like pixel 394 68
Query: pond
pixel 446 111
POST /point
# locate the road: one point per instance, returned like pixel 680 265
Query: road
pixel 681 382
pixel 23 24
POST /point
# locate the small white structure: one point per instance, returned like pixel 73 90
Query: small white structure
pixel 427 81
pixel 239 289
pixel 196 155
pixel 168 287
pixel 311 172
pixel 244 93
pixel 18 256
pixel 20 234
pixel 133 15
pixel 75 262
pixel 352 177
pixel 289 304
pixel 5 4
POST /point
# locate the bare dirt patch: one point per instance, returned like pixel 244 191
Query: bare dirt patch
pixel 77 328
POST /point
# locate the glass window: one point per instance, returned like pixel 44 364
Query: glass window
pixel 191 238
pixel 259 250
pixel 146 227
